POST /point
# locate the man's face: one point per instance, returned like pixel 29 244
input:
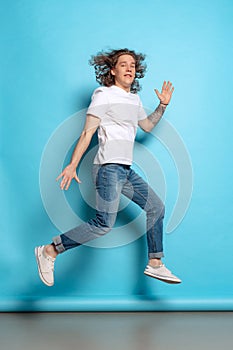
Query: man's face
pixel 124 72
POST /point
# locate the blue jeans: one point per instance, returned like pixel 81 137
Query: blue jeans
pixel 110 181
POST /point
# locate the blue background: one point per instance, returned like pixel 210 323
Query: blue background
pixel 45 78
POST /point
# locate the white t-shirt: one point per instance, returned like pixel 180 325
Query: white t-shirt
pixel 119 112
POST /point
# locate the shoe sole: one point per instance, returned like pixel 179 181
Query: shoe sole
pixel 38 265
pixel 161 278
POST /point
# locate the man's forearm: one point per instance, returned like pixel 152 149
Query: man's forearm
pixel 81 147
pixel 155 116
pixel 90 128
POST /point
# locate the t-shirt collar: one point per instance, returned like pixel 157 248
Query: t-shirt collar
pixel 120 89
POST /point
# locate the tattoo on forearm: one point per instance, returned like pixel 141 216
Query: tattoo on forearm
pixel 155 116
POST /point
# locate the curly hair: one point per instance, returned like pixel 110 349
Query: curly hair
pixel 103 62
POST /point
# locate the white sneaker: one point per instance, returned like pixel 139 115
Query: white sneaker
pixel 161 273
pixel 45 265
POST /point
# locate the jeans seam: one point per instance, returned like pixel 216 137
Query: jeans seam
pixel 152 228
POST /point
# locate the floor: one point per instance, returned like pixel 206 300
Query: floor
pixel 117 331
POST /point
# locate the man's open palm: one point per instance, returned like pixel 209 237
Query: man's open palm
pixel 166 94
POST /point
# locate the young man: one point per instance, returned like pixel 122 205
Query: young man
pixel 116 111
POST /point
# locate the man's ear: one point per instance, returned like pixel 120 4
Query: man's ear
pixel 112 72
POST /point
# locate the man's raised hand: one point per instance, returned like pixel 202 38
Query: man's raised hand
pixel 166 94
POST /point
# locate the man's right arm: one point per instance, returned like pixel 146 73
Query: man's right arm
pixel 69 172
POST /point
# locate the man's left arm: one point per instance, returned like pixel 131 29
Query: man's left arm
pixel 165 96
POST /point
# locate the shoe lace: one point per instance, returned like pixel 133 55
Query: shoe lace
pixel 49 263
pixel 166 269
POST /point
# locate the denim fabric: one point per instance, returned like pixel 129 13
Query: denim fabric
pixel 112 180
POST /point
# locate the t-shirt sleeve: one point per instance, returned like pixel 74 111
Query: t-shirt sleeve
pixel 99 103
pixel 141 111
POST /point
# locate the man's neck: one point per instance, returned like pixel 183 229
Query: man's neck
pixel 125 88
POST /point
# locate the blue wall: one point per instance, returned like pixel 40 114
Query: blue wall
pixel 45 83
